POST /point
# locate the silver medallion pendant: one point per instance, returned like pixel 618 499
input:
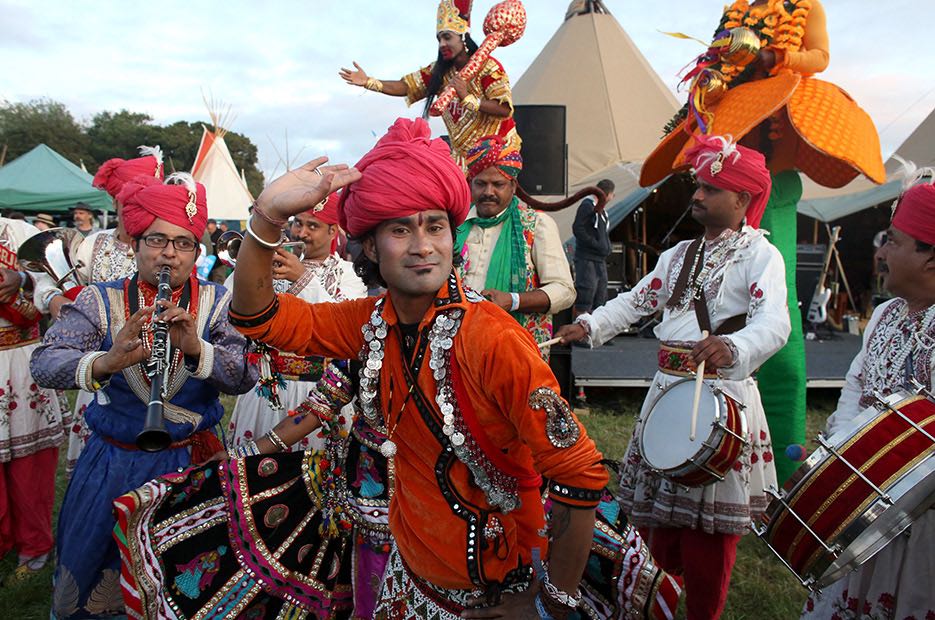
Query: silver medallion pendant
pixel 388 448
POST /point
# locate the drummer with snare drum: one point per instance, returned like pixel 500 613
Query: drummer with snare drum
pixel 692 519
pixel 898 353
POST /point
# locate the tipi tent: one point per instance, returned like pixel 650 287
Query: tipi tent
pixel 227 192
pixel 616 105
pixel 827 205
pixel 43 180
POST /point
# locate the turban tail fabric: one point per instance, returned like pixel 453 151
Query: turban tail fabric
pixel 407 172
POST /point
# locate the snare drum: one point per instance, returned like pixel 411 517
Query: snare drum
pixel 664 435
pixel 855 493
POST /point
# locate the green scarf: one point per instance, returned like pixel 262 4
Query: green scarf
pixel 507 269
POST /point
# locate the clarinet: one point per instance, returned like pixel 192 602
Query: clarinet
pixel 154 436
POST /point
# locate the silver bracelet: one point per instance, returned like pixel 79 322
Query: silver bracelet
pixel 277 441
pixel 263 242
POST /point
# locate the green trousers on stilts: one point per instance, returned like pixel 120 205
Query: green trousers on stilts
pixel 781 379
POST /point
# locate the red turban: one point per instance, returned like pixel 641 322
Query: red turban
pixel 405 173
pixel 176 204
pixel 719 162
pixel 113 173
pixel 915 213
pixel 494 151
pixel 327 211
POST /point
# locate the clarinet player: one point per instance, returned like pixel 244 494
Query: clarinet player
pixel 103 343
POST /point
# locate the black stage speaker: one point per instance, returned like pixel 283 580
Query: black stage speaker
pixel 542 128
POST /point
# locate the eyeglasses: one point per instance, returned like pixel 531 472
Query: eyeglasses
pixel 182 244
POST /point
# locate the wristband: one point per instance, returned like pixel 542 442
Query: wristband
pixel 374 84
pixel 278 223
pixel 515 305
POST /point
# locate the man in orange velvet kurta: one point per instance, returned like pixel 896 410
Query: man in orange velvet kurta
pixel 472 413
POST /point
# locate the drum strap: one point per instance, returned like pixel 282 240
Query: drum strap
pixel 694 257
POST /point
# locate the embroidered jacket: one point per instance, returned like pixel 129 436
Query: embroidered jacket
pixel 442 519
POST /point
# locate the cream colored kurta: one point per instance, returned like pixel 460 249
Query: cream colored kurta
pixel 547 255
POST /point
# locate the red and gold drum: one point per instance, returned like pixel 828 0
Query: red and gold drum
pixel 857 492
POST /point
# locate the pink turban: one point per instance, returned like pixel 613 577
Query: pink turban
pixel 405 173
pixel 719 162
pixel 915 213
pixel 143 201
pixel 113 173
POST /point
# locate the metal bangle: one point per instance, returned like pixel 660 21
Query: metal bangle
pixel 374 84
pixel 277 441
pixel 263 242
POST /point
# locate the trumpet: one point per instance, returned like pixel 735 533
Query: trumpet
pixel 154 436
pixel 227 247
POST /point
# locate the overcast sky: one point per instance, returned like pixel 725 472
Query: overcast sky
pixel 276 63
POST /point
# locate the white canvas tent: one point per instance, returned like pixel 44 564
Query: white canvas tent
pixel 616 105
pixel 827 204
pixel 228 195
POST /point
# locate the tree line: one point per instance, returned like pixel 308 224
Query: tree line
pixel 113 134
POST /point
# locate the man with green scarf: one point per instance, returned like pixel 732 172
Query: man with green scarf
pixel 512 254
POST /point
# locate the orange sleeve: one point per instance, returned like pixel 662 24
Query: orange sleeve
pixel 523 385
pixel 815 53
pixel 325 329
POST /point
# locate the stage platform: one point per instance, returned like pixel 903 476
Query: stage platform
pixel 630 361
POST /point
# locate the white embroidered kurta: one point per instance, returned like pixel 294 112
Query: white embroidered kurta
pixel 102 258
pixel 31 418
pixel 898 581
pixel 741 274
pixel 331 280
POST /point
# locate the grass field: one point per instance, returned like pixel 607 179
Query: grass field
pixel 761 588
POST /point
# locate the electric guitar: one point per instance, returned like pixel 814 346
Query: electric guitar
pixel 818 308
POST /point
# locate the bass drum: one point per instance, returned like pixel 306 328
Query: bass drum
pixel 860 489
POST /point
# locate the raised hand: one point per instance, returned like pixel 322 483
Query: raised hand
pixel 301 189
pixel 354 78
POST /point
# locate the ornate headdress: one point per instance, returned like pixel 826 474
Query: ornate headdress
pixel 454 16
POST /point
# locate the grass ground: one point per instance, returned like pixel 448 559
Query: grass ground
pixel 761 588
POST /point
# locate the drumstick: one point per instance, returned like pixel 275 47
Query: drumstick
pixel 549 343
pixel 699 380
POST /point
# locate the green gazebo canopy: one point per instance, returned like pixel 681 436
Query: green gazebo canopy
pixel 42 180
